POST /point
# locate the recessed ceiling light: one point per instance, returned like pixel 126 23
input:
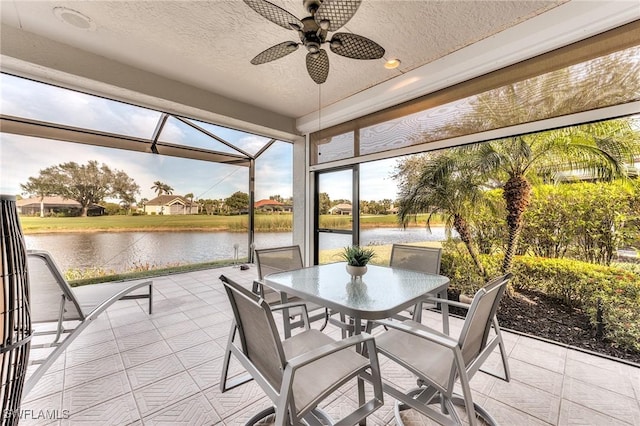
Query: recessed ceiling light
pixel 74 18
pixel 392 64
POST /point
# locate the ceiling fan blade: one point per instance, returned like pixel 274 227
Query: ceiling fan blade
pixel 275 14
pixel 318 66
pixel 355 46
pixel 337 12
pixel 275 52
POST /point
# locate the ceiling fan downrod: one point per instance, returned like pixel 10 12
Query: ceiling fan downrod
pixel 312 7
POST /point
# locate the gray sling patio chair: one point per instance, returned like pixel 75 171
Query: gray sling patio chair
pixel 427 259
pixel 421 259
pixel 70 310
pixel 439 360
pixel 282 259
pixel 297 373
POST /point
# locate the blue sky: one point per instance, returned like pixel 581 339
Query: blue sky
pixel 22 157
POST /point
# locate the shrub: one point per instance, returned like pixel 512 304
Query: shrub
pixel 582 284
pixel 489 225
pixel 462 272
pixel 586 221
pixel 578 284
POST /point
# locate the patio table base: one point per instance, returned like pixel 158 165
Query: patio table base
pixel 456 399
pixel 318 417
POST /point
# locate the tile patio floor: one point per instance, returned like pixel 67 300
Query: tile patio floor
pixel 164 369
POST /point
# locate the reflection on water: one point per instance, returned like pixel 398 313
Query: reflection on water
pixel 120 251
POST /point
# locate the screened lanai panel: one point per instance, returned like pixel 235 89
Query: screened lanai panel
pixel 178 132
pixel 609 80
pixel 335 148
pixel 43 102
pixel 595 73
pixel 247 142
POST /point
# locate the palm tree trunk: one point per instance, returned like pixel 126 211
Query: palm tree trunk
pixel 517 195
pixel 462 228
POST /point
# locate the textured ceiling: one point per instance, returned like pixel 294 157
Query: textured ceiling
pixel 208 44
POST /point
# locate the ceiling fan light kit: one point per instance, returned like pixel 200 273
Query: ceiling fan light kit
pixel 326 16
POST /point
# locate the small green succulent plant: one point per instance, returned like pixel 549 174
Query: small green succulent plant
pixel 357 256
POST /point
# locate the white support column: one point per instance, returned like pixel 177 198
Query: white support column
pixel 300 195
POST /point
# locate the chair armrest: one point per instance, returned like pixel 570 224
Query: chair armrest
pixel 280 306
pixel 431 335
pixel 305 312
pixel 448 302
pixel 324 350
pixel 258 288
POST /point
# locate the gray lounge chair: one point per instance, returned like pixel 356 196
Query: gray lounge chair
pixel 72 310
pixel 297 374
pixel 439 361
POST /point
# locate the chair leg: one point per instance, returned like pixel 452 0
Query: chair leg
pixel 343 319
pixel 466 392
pixel 225 384
pixel 444 308
pixel 503 351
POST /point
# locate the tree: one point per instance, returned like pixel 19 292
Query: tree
pixel 600 150
pixel 125 188
pixel 87 184
pixel 143 202
pixel 41 186
pixel 162 188
pixel 238 202
pixel 190 197
pixel 324 203
pixel 446 185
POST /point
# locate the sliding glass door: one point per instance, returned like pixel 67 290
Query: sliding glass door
pixel 336 217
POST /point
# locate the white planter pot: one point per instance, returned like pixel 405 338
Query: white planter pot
pixel 356 271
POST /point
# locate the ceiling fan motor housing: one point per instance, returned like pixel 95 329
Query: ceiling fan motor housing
pixel 311 35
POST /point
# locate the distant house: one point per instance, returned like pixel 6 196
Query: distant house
pixel 55 205
pixel 272 206
pixel 341 209
pixel 170 204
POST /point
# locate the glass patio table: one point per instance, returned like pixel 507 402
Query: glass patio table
pixel 381 293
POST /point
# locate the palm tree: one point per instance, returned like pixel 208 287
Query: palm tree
pixel 189 197
pixel 158 187
pixel 143 202
pixel 445 185
pixel 600 150
pixel 162 188
pixel 167 189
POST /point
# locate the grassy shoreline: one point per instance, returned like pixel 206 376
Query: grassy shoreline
pixel 191 223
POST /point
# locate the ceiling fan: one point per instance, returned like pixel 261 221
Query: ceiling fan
pixel 326 16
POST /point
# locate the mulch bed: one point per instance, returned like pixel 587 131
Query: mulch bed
pixel 542 316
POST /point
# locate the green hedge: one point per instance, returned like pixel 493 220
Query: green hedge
pixel 578 284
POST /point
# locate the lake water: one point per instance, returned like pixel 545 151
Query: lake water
pixel 120 251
